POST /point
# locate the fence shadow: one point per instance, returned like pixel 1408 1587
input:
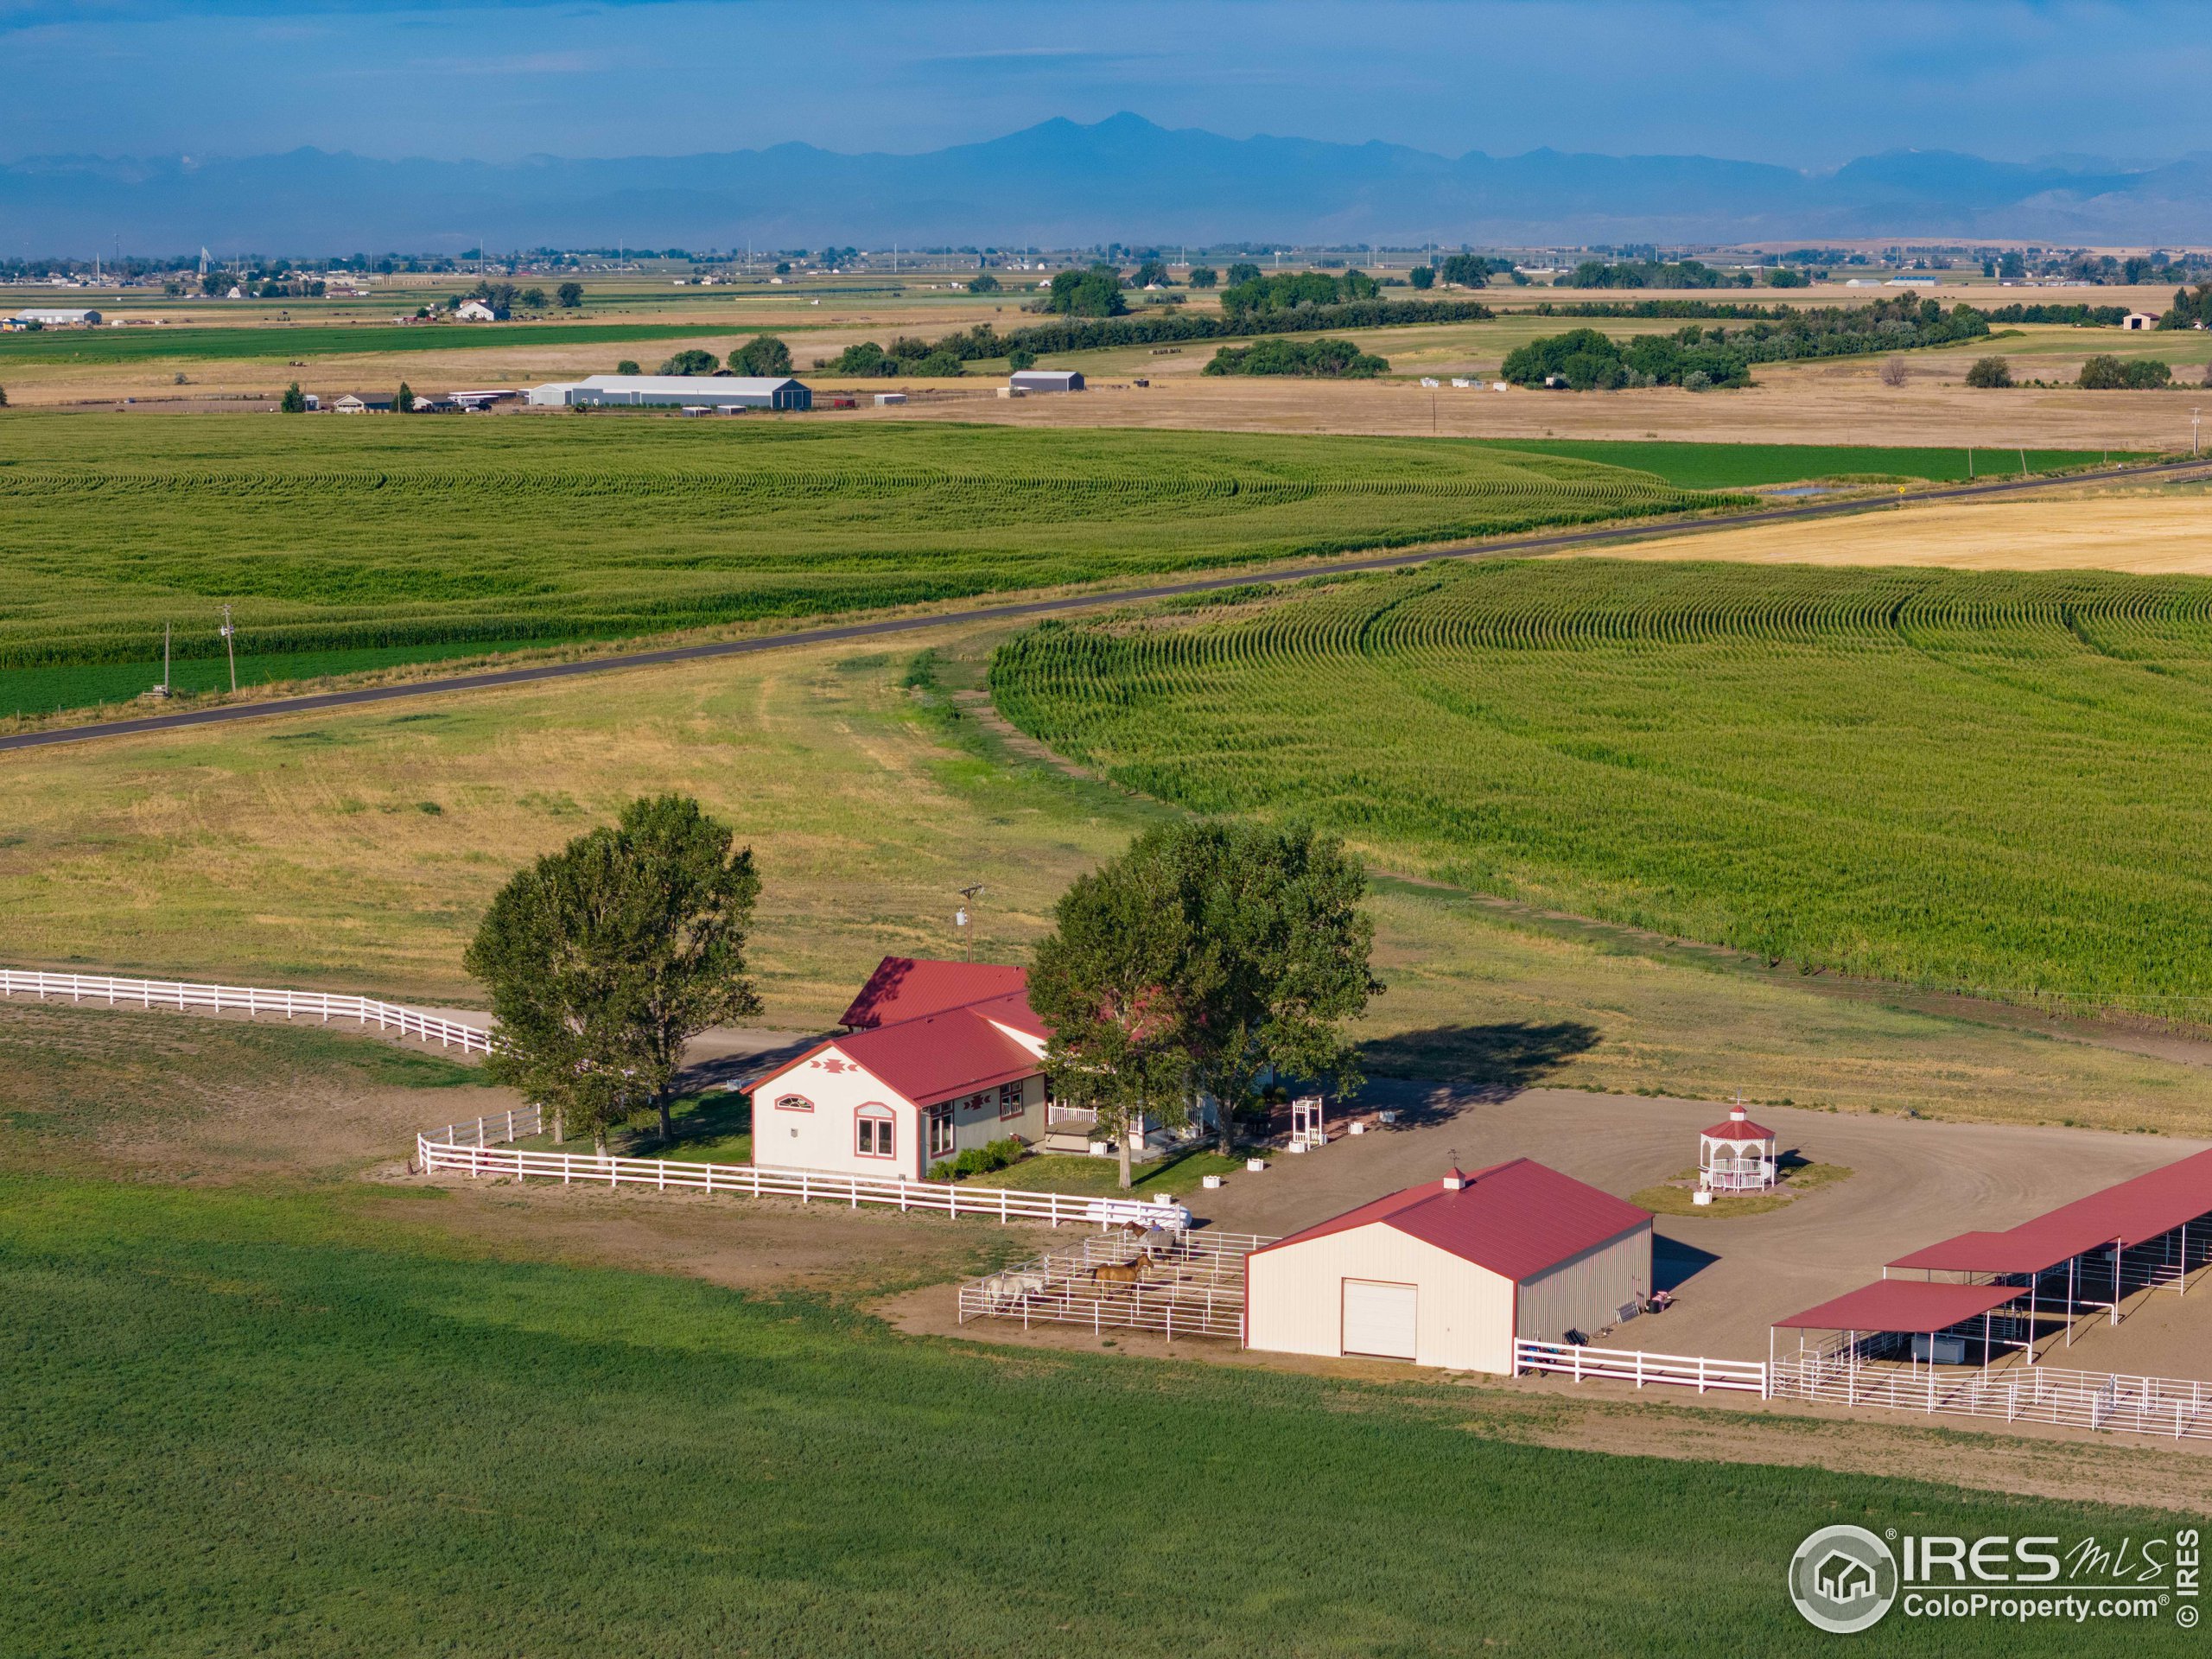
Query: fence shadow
pixel 1492 1062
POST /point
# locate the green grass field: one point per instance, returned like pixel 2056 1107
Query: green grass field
pixel 304 1421
pixel 1743 466
pixel 1991 782
pixel 446 537
pixel 280 343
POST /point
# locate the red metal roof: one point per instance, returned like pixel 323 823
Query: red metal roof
pixel 907 987
pixel 1517 1218
pixel 1739 1129
pixel 2129 1213
pixel 1902 1305
pixel 941 1055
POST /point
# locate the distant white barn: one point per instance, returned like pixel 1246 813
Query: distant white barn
pixel 682 390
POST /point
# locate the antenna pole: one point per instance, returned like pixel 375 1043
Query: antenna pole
pixel 165 659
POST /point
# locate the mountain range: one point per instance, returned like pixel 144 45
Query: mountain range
pixel 1061 184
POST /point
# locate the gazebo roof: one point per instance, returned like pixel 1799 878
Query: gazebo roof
pixel 1737 1128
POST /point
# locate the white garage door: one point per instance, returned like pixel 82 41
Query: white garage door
pixel 1378 1318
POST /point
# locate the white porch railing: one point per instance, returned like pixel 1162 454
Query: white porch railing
pixel 1634 1365
pixel 244 998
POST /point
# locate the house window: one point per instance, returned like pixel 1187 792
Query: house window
pixel 1009 1100
pixel 940 1127
pixel 873 1132
pixel 794 1104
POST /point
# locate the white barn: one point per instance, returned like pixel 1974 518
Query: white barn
pixel 53 317
pixel 1452 1272
pixel 684 391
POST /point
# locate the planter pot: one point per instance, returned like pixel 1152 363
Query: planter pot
pixel 1211 1183
pixel 1101 1149
pixel 1255 1165
pixel 1356 1127
pixel 1700 1197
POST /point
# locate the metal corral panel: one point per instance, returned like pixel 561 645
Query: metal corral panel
pixel 1589 1292
pixel 1295 1303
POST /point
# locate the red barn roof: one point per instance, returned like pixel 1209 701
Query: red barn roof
pixel 1902 1305
pixel 1517 1218
pixel 907 987
pixel 2129 1213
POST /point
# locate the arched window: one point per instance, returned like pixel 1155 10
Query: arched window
pixel 873 1131
pixel 794 1104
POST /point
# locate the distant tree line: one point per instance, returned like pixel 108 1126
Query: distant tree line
pixel 1286 289
pixel 1329 359
pixel 2190 309
pixel 1651 273
pixel 1698 357
pixel 763 355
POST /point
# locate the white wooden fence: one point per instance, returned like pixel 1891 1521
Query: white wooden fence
pixel 1634 1365
pixel 495 1130
pixel 242 999
pixel 2175 1407
pixel 1191 1284
pixel 749 1181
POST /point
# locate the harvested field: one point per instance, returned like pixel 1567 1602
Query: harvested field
pixel 2162 534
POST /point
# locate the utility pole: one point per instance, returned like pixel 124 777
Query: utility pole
pixel 2195 416
pixel 231 650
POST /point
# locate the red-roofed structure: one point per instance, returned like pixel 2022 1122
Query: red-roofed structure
pixel 938 1056
pixel 1451 1272
pixel 1902 1305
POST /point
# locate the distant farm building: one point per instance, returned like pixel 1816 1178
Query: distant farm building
pixel 53 317
pixel 682 390
pixel 1452 1272
pixel 1046 380
pixel 2137 321
pixel 478 311
pixel 351 403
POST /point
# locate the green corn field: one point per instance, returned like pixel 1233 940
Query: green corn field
pixel 340 542
pixel 1990 782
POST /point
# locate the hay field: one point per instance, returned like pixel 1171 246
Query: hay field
pixel 2167 533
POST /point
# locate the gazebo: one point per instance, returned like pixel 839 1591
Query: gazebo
pixel 1737 1156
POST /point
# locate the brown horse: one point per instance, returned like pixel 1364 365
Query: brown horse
pixel 1130 1273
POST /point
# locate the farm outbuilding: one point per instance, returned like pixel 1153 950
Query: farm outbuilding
pixel 1046 380
pixel 51 317
pixel 684 391
pixel 1453 1271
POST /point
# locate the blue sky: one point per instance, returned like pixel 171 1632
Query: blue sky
pixel 1807 83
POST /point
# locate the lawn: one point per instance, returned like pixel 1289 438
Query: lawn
pixel 1982 781
pixel 298 1422
pixel 412 539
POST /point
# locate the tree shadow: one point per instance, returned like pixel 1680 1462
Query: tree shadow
pixel 1492 1062
pixel 725 1068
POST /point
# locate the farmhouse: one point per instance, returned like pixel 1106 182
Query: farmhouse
pixel 938 1057
pixel 1046 380
pixel 1452 1272
pixel 684 391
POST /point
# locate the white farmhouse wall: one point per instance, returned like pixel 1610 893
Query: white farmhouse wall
pixel 1294 1298
pixel 1586 1292
pixel 982 1117
pixel 826 1138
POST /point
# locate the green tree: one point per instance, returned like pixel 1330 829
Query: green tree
pixel 626 366
pixel 1102 980
pixel 1422 276
pixel 1242 271
pixel 294 402
pixel 1020 358
pixel 764 355
pixel 691 361
pixel 1990 373
pixel 4 397
pixel 983 283
pixel 533 298
pixel 605 958
pixel 1154 273
pixel 1093 292
pixel 1203 277
pixel 571 296
pixel 405 402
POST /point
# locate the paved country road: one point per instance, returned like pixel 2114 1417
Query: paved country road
pixel 1511 547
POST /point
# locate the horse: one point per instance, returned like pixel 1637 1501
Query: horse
pixel 1130 1273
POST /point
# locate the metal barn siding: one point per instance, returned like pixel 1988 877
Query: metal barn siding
pixel 1294 1298
pixel 1586 1292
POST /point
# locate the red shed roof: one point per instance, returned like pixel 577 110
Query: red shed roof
pixel 907 987
pixel 1902 1305
pixel 2128 1213
pixel 1517 1218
